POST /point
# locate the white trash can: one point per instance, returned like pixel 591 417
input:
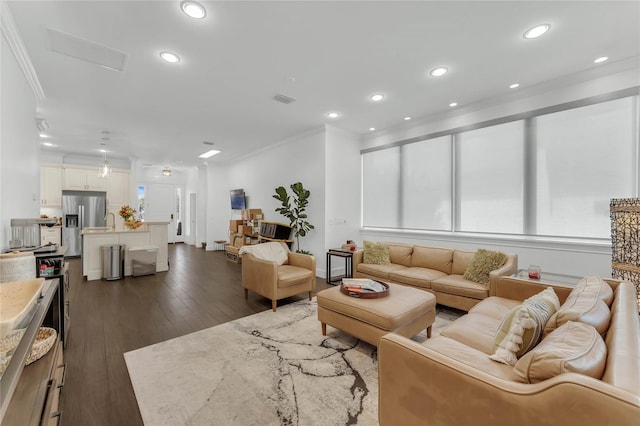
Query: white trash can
pixel 143 260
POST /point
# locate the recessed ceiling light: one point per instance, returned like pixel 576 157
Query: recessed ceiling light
pixel 371 129
pixel 514 85
pixel 439 72
pixel 103 150
pixel 44 135
pixel 49 144
pixel 333 114
pixel 537 31
pixel 210 153
pixel 452 104
pixel 377 97
pixel 193 9
pixel 172 58
pixel 601 59
pixel 407 118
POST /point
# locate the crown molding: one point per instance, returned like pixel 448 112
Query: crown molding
pixel 13 38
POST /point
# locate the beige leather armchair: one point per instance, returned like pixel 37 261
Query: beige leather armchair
pixel 275 282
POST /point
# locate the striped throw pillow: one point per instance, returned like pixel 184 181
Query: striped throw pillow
pixel 521 328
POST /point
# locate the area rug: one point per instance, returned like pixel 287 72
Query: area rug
pixel 271 368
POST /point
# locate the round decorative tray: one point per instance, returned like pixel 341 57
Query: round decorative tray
pixel 365 294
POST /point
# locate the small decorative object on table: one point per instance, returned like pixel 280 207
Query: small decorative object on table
pixel 364 288
pixel 133 223
pixel 534 272
pixel 350 245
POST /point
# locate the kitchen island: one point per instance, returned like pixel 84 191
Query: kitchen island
pixel 149 234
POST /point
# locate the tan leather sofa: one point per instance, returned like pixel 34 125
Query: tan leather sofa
pixel 275 282
pixel 437 270
pixel 450 380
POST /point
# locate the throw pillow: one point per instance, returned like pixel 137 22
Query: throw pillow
pixel 587 303
pixel 376 253
pixel 483 262
pixel 521 329
pixel 573 347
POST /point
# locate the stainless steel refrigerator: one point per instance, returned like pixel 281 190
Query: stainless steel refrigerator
pixel 81 209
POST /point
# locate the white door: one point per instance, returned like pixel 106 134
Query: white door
pixel 178 217
pixel 160 206
pixel 192 218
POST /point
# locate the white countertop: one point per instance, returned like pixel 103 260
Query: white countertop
pixel 105 230
pixel 109 230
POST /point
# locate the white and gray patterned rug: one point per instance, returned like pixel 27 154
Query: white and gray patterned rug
pixel 271 368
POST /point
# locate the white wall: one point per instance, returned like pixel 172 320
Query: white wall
pixel 201 201
pixel 190 187
pixel 567 257
pixel 342 199
pixel 19 150
pixel 218 205
pixel 301 158
pixel 523 100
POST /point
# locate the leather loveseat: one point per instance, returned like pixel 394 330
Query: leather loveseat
pixel 450 379
pixel 437 270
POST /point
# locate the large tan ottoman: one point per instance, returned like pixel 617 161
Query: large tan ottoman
pixel 405 311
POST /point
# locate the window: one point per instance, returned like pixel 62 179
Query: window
pixel 585 158
pixel 546 174
pixel 380 194
pixel 141 202
pixel 490 179
pixel 426 184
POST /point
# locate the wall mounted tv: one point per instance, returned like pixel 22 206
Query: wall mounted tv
pixel 237 199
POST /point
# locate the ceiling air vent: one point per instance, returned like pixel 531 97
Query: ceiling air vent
pixel 281 97
pixel 86 50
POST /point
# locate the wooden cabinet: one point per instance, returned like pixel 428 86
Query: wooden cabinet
pixel 83 180
pixel 118 191
pixel 31 394
pixel 50 186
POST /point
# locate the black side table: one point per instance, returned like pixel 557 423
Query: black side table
pixel 347 255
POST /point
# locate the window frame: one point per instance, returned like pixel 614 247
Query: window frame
pixel 529 172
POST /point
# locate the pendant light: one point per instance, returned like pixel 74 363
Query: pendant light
pixel 104 171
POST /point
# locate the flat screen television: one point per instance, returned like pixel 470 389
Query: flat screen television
pixel 237 199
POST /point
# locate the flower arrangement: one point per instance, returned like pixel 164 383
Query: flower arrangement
pixel 133 223
pixel 130 222
pixel 126 212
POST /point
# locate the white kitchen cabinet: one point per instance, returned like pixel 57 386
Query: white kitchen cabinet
pixel 83 180
pixel 118 192
pixel 50 186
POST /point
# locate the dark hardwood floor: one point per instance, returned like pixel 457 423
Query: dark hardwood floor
pixel 108 318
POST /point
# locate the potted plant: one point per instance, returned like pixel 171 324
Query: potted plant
pixel 293 208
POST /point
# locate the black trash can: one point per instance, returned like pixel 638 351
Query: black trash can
pixel 113 262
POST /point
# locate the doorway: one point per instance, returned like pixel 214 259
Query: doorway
pixel 165 203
